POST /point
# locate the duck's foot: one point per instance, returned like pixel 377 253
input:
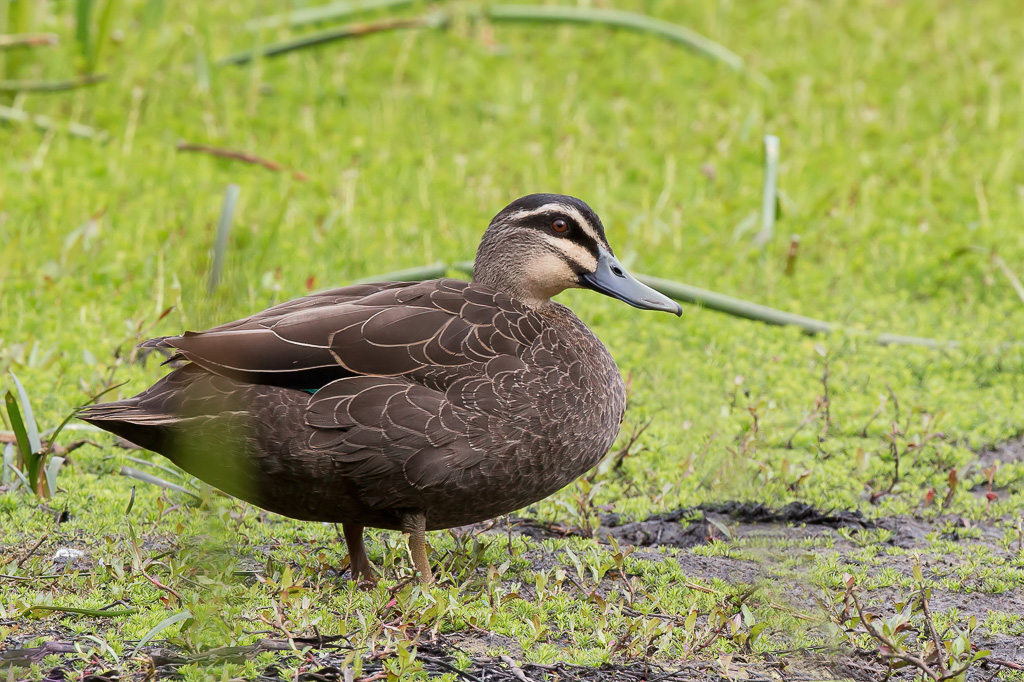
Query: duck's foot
pixel 359 563
pixel 415 524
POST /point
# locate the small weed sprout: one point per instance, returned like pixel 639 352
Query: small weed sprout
pixel 943 655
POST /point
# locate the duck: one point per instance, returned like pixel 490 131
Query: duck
pixel 405 406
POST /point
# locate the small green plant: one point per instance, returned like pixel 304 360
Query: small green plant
pixel 38 460
pixel 942 655
pixel 93 21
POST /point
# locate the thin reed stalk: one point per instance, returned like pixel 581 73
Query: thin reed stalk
pixel 676 33
pixel 332 35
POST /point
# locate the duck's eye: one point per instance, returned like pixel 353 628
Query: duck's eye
pixel 559 225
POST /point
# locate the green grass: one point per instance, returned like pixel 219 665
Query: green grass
pixel 900 127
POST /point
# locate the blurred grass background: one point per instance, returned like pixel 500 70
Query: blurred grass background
pixel 901 127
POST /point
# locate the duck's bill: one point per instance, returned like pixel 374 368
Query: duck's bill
pixel 611 279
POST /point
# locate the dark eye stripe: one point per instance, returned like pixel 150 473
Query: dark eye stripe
pixel 575 233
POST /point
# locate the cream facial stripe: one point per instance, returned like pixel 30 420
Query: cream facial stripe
pixel 575 253
pixel 565 209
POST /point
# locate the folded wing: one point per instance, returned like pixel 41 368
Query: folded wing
pixel 424 329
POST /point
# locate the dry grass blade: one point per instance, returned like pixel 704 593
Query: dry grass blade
pixel 143 462
pixel 332 35
pixel 7 463
pixel 1009 274
pixel 330 12
pixel 28 40
pixel 245 157
pixel 770 192
pixel 51 86
pixel 131 472
pixel 46 123
pixel 227 212
pixel 631 20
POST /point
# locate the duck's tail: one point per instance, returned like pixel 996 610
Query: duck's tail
pixel 147 418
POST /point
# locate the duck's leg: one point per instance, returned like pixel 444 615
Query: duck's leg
pixel 415 524
pixel 359 564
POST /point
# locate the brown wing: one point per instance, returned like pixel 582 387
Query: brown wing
pixel 399 440
pixel 429 328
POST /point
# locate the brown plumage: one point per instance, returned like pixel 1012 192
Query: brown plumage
pixel 434 404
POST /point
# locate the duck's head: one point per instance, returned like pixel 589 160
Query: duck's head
pixel 542 244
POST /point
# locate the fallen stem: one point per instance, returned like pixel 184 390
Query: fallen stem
pixel 85 612
pixel 630 20
pixel 332 35
pixel 28 40
pixel 688 294
pixel 235 155
pixel 51 86
pixel 157 583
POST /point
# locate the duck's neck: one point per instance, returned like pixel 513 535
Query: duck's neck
pixel 504 271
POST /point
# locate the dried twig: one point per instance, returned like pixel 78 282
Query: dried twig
pixel 517 672
pixel 27 40
pixel 929 625
pixel 894 651
pixel 157 583
pixel 1005 269
pixel 235 155
pixel 449 667
pixel 811 416
pixel 872 418
pixel 32 551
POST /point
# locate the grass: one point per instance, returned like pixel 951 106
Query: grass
pixel 900 130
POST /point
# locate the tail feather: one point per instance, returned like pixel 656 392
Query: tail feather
pixel 158 342
pixel 145 419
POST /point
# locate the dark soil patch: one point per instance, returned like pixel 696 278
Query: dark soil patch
pixel 1007 453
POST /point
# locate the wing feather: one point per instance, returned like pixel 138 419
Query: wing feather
pixel 432 329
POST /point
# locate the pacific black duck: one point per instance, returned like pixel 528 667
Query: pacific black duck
pixel 409 406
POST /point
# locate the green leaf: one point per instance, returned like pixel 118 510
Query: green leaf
pixel 160 627
pixel 18 426
pixel 30 419
pixel 83 27
pixel 102 34
pixel 53 465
